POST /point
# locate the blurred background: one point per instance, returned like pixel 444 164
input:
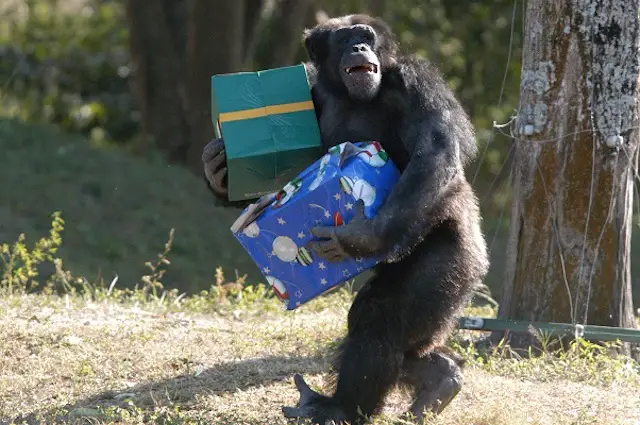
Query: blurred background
pixel 104 110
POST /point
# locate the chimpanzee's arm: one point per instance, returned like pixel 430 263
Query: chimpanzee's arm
pixel 413 206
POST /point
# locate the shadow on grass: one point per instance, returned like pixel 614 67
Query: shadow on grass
pixel 183 389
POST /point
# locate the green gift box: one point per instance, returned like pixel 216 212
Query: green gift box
pixel 269 126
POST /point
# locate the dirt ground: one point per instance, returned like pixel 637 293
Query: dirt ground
pixel 234 369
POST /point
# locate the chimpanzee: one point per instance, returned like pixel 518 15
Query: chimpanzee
pixel 428 230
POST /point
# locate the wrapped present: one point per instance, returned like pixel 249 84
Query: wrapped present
pixel 276 229
pixel 269 126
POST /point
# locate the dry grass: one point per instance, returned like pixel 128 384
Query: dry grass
pixel 68 360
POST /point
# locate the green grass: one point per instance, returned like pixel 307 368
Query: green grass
pixel 120 209
pixel 79 352
pixel 118 360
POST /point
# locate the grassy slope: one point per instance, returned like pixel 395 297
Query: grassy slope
pixel 118 209
pixel 236 367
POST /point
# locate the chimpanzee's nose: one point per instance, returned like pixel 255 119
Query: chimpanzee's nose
pixel 360 47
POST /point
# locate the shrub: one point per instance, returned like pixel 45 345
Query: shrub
pixel 70 69
pixel 19 264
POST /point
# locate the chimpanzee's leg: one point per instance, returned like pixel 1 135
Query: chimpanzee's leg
pixel 370 362
pixel 435 380
pixel 370 367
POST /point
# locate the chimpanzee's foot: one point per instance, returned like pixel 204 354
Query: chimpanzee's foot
pixel 436 380
pixel 316 407
pixel 435 400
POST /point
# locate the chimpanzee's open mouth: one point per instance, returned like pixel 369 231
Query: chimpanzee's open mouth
pixel 368 67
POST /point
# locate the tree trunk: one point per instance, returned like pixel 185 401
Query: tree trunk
pixel 253 10
pixel 568 257
pixel 215 45
pixel 177 45
pixel 287 29
pixel 158 77
pixel 377 8
pixel 280 38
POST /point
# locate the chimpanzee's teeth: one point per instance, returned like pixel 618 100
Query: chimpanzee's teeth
pixel 369 67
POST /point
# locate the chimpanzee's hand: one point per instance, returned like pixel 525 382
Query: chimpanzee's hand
pixel 354 239
pixel 214 158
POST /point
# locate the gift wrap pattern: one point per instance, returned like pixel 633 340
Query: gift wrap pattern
pixel 325 194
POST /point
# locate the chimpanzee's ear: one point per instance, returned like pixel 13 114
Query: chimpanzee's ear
pixel 316 42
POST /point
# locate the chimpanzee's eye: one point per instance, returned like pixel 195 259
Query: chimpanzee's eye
pixel 342 36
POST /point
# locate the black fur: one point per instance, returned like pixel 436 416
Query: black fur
pixel 428 230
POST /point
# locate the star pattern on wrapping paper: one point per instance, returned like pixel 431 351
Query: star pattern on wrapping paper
pixel 360 269
pixel 298 293
pixel 266 270
pixel 359 260
pixel 301 235
pixel 321 266
pixel 271 254
pixel 346 273
pixel 327 214
pixel 281 221
pixel 349 206
pixel 323 281
pixel 337 196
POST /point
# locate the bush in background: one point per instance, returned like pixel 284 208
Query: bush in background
pixel 69 69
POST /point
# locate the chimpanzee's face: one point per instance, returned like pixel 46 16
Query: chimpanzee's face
pixel 358 65
pixel 351 55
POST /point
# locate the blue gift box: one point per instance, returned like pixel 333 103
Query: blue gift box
pixel 275 230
